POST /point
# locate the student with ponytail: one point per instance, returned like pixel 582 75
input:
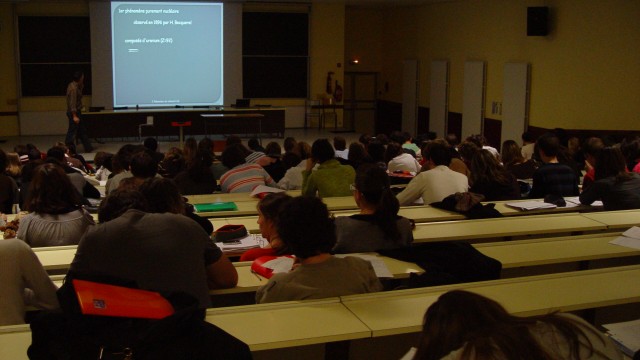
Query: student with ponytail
pixel 378 225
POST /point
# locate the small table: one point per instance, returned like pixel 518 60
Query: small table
pixel 328 109
pixel 257 116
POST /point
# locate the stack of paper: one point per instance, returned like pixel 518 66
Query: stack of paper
pixel 530 205
pixel 629 238
pixel 575 201
pixel 250 241
pixel 626 335
pixel 381 269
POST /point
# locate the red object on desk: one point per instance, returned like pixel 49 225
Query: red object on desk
pixel 181 123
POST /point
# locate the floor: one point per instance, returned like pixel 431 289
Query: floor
pixel 44 142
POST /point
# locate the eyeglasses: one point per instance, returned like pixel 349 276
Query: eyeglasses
pixel 352 187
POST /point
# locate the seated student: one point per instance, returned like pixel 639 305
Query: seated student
pixel 436 183
pixel 456 164
pixel 102 163
pixel 305 227
pixel 290 158
pixel 528 145
pixel 120 163
pixel 172 164
pixel 152 145
pixel 162 196
pixel 160 251
pixel 56 155
pixel 378 225
pixel 515 163
pixel 23 282
pixel 630 148
pixel 552 178
pixel 481 142
pixel 198 177
pixel 242 176
pixel 118 202
pixel 56 216
pixel 376 151
pixel 143 166
pixel 292 179
pixel 614 185
pixel 268 211
pixel 68 159
pixel 490 179
pixel 409 144
pixel 189 149
pixel 8 188
pixel 14 167
pixel 34 160
pixel 398 160
pixel 275 167
pixel 254 144
pixel 340 145
pixel 358 155
pixel 465 325
pixel 331 178
pixel 591 149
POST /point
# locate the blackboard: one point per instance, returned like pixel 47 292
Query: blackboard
pixel 52 48
pixel 275 52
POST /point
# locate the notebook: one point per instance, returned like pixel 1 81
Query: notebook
pixel 219 206
pixel 110 300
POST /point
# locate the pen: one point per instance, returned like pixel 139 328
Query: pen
pixel 256 274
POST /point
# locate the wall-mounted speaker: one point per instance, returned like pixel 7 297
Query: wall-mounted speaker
pixel 537 21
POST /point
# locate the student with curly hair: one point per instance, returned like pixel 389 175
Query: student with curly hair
pixel 464 325
pixel 305 227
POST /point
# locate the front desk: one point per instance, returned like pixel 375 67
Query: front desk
pixel 126 123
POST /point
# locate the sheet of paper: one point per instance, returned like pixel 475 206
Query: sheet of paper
pixel 626 242
pixel 627 334
pixel 575 201
pixel 530 205
pixel 265 189
pixel 248 242
pixel 281 264
pixel 381 269
pixel 634 232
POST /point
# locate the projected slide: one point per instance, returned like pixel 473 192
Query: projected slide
pixel 166 54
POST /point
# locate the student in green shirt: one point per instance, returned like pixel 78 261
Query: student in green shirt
pixel 331 178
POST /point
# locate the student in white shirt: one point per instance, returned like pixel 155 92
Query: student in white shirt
pixel 436 183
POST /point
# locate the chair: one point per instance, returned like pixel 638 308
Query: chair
pixel 149 123
pixel 313 110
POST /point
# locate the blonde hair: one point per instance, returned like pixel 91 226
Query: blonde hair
pixel 14 167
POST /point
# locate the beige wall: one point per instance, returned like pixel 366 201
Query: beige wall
pixel 585 74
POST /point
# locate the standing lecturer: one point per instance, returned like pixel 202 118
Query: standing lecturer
pixel 74 107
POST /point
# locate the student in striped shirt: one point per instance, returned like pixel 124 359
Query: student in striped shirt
pixel 242 177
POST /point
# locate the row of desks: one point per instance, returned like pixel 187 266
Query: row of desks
pixel 431 226
pixel 290 324
pixel 247 206
pixel 57 258
pixel 512 254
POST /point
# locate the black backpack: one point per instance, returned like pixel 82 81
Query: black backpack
pixel 69 335
pixel 449 262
